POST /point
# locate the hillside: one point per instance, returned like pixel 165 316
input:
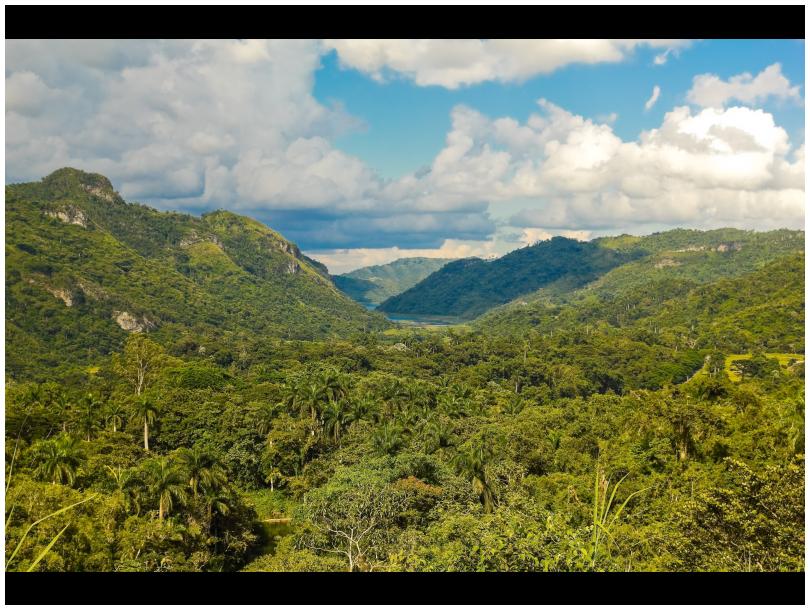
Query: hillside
pixel 84 269
pixel 372 285
pixel 467 288
pixel 762 309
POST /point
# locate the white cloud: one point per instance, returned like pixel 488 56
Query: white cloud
pixel 348 259
pixel 213 123
pixel 708 90
pixel 457 62
pixel 726 167
pixel 532 235
pixel 653 98
pixel 234 124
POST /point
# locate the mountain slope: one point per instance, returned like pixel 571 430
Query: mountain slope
pixel 467 288
pixel 84 268
pixel 761 309
pixel 372 285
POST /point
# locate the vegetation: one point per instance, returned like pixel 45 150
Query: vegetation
pixel 594 428
pixel 370 286
pixel 83 268
pixel 467 288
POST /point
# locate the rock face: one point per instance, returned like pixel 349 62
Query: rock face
pixel 131 324
pixel 70 215
pixel 193 238
pixel 63 294
pixel 666 262
pixel 103 192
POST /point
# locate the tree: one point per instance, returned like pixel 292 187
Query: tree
pixel 265 416
pixel 353 515
pixel 89 415
pixel 139 362
pixel 201 469
pixel 147 411
pixel 115 415
pixel 336 417
pixel 216 503
pixel 164 481
pixel 471 461
pixel 59 459
pixel 388 438
pixel 753 523
pixel 125 495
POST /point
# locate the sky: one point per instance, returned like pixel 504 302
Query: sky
pixel 365 151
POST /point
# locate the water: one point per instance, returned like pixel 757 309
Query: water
pixel 422 320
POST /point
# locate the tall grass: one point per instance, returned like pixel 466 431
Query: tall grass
pixel 603 521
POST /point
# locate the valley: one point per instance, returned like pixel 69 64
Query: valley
pixel 192 393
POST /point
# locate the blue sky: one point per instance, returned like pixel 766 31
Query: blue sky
pixel 364 151
pixel 407 124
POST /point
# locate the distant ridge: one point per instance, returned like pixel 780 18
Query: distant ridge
pixel 372 285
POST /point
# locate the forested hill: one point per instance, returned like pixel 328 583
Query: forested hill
pixel 562 270
pixel 84 269
pixel 372 285
pixel 467 288
pixel 762 309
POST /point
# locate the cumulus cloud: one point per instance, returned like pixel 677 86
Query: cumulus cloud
pixel 455 63
pixel 198 125
pixel 711 168
pixel 709 90
pixel 653 98
pixel 348 259
pixel 215 123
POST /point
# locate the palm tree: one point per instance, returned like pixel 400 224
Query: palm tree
pixel 264 418
pixel 88 416
pixel 201 468
pixel 388 438
pixel 146 410
pixel 166 482
pixel 310 398
pixel 437 433
pixel 336 417
pixel 216 502
pixel 125 496
pixel 59 459
pixel 334 384
pixel 362 407
pixel 115 416
pixel 472 462
pixel 61 405
pixel 515 405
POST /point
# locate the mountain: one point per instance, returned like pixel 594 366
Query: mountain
pixel 84 268
pixel 561 270
pixel 759 309
pixel 467 288
pixel 372 285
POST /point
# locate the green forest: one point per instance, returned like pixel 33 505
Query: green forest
pixel 627 404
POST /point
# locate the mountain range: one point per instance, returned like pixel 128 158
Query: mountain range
pixel 84 269
pixel 372 285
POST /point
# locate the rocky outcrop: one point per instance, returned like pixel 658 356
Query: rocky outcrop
pixel 63 294
pixel 105 193
pixel 666 262
pixel 93 291
pixel 70 215
pixel 193 238
pixel 132 324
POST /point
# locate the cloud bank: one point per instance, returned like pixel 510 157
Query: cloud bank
pixel 456 63
pixel 199 125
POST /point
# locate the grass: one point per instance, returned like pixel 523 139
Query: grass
pixel 783 359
